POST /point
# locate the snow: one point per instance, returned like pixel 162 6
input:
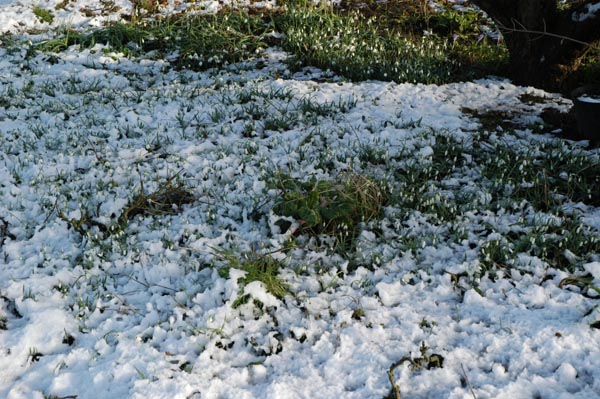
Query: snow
pixel 148 312
pixel 592 9
pixel 588 99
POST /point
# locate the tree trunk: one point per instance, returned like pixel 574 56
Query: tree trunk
pixel 544 41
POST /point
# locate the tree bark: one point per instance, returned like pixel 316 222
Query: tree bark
pixel 544 40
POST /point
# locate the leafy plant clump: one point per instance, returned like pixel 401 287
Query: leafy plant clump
pixel 426 360
pixel 196 42
pixel 353 46
pixel 545 175
pixel 333 208
pixel 564 243
pixel 43 15
pixel 421 181
pixel 258 267
pixel 167 199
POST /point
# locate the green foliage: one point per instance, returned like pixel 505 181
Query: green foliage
pixel 544 175
pixel 197 42
pixel 217 40
pixel 470 49
pixel 353 46
pixel 479 58
pixel 450 22
pixel 495 254
pixel 589 71
pixel 167 199
pixel 564 243
pixel 64 40
pixel 387 45
pixel 332 208
pixel 585 285
pixel 426 360
pixel 421 179
pixel 126 38
pixel 514 176
pixel 265 269
pixel 43 15
pixel 258 267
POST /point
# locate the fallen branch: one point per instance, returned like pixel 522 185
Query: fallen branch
pixel 395 394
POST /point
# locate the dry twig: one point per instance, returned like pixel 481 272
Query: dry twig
pixel 468 382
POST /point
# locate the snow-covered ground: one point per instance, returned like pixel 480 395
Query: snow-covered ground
pixel 18 15
pixel 146 313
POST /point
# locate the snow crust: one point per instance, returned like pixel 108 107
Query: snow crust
pixel 588 99
pixel 591 12
pixel 145 317
pixel 19 16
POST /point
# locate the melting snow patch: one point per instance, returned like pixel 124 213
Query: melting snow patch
pixel 591 12
pixel 588 99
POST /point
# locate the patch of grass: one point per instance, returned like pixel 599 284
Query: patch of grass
pixel 166 200
pixel 544 174
pixel 62 5
pixel 477 54
pixel 478 58
pixel 328 109
pixel 470 48
pixel 279 123
pixel 420 180
pixel 43 15
pixel 357 43
pixel 218 40
pixel 533 182
pixel 333 208
pixel 353 46
pixel 196 42
pixel 84 224
pixel 495 254
pixel 585 285
pixel 258 267
pixel 11 44
pixel 129 39
pixel 124 38
pixel 565 244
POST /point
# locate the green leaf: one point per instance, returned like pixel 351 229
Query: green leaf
pixel 311 216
